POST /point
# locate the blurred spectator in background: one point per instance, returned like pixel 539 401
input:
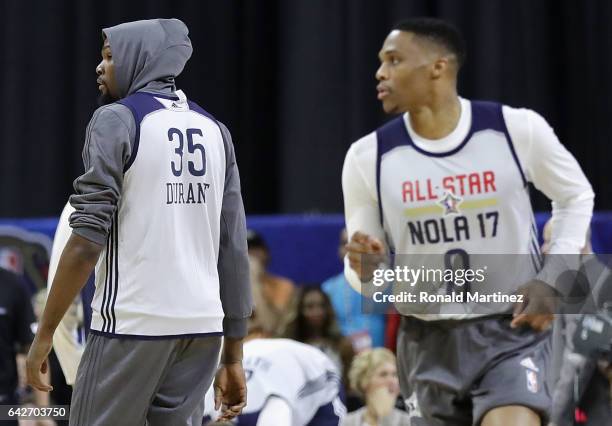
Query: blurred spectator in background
pixel 581 392
pixel 26 254
pixel 364 330
pixel 273 296
pixel 16 334
pixel 373 375
pixel 315 324
pixel 24 261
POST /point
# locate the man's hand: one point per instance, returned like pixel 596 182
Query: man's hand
pixel 36 362
pixel 539 303
pixel 230 390
pixel 364 253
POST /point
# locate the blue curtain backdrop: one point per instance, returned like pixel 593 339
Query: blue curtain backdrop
pixel 305 248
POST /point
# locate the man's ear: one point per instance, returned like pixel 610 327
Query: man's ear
pixel 439 67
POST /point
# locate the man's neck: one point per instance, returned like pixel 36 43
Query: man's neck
pixel 438 118
pixel 160 87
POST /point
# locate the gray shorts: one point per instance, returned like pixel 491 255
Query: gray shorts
pixel 143 382
pixel 454 372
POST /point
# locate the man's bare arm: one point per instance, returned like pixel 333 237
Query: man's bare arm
pixel 75 266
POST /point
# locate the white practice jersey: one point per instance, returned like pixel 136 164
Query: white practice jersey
pixel 300 374
pixel 459 202
pixel 157 275
pixel 68 344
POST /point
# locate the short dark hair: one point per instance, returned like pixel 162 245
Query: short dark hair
pixel 438 31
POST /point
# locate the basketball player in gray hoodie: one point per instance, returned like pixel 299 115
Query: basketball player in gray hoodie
pixel 159 215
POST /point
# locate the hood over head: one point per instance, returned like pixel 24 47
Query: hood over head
pixel 154 50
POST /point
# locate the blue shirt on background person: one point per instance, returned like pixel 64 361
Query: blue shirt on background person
pixel 353 322
pixel 364 330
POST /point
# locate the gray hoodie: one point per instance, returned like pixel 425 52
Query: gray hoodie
pixel 148 55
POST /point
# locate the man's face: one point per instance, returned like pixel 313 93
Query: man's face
pixel 405 71
pixel 107 85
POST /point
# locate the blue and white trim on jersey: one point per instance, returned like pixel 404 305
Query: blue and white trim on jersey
pixel 534 250
pixel 142 104
pixel 485 116
pixel 111 282
pixel 318 384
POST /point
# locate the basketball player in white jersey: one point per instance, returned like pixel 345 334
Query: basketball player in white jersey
pixel 446 178
pixel 289 383
pixel 158 213
pixel 66 343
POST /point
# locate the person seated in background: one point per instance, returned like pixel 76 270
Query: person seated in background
pixel 24 256
pixel 373 375
pixel 315 324
pixel 273 296
pixel 288 383
pixel 365 330
pixel 17 323
pixel 581 392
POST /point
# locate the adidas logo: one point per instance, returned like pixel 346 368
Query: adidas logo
pixel 174 105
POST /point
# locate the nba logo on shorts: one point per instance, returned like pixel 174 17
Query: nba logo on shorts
pixel 412 406
pixel 532 381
